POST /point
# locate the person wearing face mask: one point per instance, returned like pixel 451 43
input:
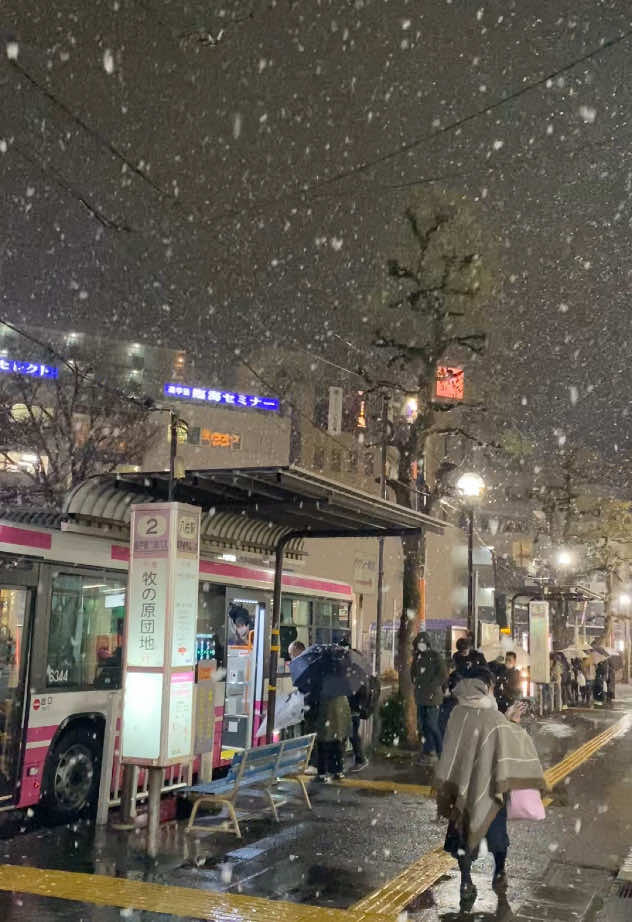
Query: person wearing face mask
pixel 428 672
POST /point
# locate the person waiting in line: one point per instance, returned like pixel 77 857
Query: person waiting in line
pixel 464 660
pixel 466 656
pixel 566 681
pixel 428 673
pixel 508 687
pixel 311 708
pixel 575 670
pixel 485 756
pixel 556 682
pixel 611 681
pixel 333 727
pixel 588 668
pixel 599 683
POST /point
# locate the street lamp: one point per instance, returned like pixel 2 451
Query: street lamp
pixel 471 487
pixel 564 558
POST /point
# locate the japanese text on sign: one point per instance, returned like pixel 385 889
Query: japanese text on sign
pixel 147 612
pixel 32 369
pixel 450 383
pixel 198 436
pixel 221 398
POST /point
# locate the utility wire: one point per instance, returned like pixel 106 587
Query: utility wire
pixel 459 123
pixel 310 192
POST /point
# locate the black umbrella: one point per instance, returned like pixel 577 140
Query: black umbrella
pixel 329 671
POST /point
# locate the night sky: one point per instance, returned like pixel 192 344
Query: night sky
pixel 219 175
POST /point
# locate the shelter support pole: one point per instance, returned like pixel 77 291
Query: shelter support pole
pixel 471 626
pixel 275 635
pixel 380 541
pixel 128 795
pixel 173 448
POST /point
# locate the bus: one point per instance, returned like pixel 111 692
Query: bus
pixel 62 617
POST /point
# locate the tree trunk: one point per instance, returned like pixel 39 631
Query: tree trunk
pixel 606 637
pixel 413 547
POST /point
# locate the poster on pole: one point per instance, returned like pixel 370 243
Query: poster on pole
pixel 539 641
pixel 334 418
pixel 159 650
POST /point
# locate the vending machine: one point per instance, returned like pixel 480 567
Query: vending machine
pixel 245 635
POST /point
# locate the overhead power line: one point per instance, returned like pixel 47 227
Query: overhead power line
pixel 453 126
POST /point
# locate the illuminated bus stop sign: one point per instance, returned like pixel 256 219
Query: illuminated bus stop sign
pixel 160 634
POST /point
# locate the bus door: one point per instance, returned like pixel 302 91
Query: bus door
pixel 15 615
pixel 245 620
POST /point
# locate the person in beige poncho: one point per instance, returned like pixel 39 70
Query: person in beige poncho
pixel 485 756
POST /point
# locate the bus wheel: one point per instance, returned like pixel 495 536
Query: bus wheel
pixel 71 783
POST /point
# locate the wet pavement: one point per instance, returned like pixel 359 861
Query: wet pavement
pixel 356 841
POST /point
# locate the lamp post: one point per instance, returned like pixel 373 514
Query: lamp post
pixel 564 561
pixel 471 487
pixel 624 603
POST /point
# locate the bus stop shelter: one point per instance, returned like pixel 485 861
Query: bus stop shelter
pixel 270 510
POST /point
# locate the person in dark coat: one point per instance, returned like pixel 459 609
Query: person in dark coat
pixel 333 726
pixel 467 657
pixel 508 687
pixel 428 673
pixel 464 661
pixel 611 679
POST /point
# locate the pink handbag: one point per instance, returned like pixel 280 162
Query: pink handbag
pixel 525 805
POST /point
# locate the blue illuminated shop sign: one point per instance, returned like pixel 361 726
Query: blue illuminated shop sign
pixel 223 398
pixel 32 369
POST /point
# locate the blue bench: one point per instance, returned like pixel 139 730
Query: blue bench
pixel 259 768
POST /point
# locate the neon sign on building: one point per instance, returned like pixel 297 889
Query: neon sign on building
pixel 221 398
pixel 31 369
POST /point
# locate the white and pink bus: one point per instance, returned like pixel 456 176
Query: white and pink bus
pixel 62 611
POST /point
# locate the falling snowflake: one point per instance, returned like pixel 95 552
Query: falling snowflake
pixel 498 145
pixel 588 114
pixel 108 61
pixel 336 243
pixel 237 123
pixel 13 50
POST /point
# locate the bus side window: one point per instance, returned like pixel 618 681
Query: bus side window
pixel 85 638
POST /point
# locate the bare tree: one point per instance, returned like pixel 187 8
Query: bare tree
pixel 578 512
pixel 428 315
pixel 56 433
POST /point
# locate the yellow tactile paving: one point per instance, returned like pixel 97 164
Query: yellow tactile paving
pixel 393 787
pixel 387 902
pixel 574 759
pixel 397 894
pixel 179 901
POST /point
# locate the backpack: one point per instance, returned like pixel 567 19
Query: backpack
pixel 368 698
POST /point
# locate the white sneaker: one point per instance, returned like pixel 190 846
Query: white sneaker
pixel 324 779
pixel 311 770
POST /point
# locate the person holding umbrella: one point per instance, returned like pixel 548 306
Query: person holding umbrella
pixel 333 674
